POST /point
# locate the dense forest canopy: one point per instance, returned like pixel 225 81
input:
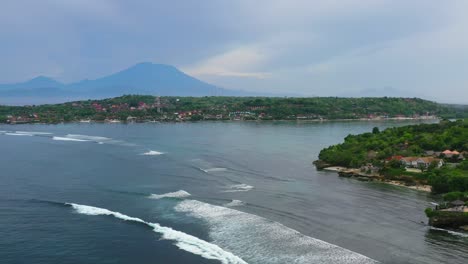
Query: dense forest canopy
pixel 405 141
pixel 378 148
pixel 267 108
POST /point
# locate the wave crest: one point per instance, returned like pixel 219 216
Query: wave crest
pixel 17 134
pixel 152 153
pixel 460 234
pixel 260 240
pixel 239 188
pixel 69 139
pixel 182 240
pixel 234 203
pixel 88 138
pixel 178 194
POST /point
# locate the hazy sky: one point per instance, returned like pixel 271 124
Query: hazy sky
pixel 310 47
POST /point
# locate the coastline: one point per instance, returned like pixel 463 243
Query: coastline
pixel 374 177
pixel 230 120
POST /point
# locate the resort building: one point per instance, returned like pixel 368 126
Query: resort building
pixel 417 162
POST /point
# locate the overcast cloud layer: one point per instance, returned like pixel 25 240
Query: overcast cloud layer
pixel 324 48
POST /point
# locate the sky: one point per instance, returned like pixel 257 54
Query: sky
pixel 414 48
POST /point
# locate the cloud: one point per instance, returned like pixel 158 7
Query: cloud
pixel 233 63
pixel 309 47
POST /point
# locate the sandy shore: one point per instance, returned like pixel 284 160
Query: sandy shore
pixel 335 168
pixel 424 188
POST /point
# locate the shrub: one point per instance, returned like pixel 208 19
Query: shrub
pixel 429 212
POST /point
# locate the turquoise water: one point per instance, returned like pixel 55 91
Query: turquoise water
pixel 202 193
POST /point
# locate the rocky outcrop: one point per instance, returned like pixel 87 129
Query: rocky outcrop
pixel 448 219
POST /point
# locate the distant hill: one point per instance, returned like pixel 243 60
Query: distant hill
pixel 143 78
pixel 36 83
pixel 145 107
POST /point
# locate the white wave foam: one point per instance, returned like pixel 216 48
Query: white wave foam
pixel 100 140
pixel 234 203
pixel 33 133
pixel 17 134
pixel 213 170
pixel 260 240
pixel 182 240
pixel 239 188
pixel 152 153
pixel 68 139
pixel 89 138
pixel 178 194
pixel 450 232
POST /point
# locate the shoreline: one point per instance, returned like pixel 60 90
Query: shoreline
pixel 353 173
pixel 273 120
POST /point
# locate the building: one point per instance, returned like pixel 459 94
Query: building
pixel 417 162
pixel 452 154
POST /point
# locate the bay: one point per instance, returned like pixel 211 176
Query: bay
pixel 230 192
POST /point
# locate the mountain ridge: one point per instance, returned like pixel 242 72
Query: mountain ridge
pixel 141 78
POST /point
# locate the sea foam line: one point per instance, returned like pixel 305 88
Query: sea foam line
pixel 239 188
pixel 259 240
pixel 178 194
pixel 33 133
pixel 213 170
pixel 17 134
pixel 182 240
pixel 152 153
pixel 234 203
pixel 100 140
pixel 69 139
pixel 86 137
pixel 450 232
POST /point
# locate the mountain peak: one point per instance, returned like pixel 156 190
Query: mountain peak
pixel 142 78
pixel 152 66
pixel 43 80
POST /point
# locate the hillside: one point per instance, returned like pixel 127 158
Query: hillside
pixel 435 154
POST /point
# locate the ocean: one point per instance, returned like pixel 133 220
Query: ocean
pixel 208 192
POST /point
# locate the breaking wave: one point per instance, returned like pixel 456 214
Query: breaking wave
pixel 182 240
pixel 17 134
pixel 213 170
pixel 450 232
pixel 234 203
pixel 152 153
pixel 88 138
pixel 69 139
pixel 33 133
pixel 178 194
pixel 259 240
pixel 239 188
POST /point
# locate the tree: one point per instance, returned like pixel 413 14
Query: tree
pixel 375 130
pixel 439 183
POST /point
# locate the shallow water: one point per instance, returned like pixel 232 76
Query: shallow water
pixel 203 193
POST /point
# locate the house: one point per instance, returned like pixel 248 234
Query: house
pixel 395 158
pixel 449 154
pixel 409 161
pixel 417 162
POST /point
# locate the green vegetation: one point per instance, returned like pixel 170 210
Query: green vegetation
pixel 452 196
pixel 379 147
pixel 451 219
pixel 240 108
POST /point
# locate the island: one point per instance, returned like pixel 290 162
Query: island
pixel 147 108
pixel 427 157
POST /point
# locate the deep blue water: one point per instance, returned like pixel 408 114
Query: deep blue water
pixel 247 192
